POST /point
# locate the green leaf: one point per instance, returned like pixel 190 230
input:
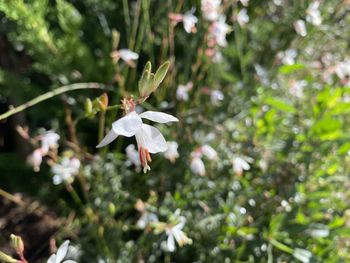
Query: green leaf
pixel 280 105
pixel 160 75
pixel 288 69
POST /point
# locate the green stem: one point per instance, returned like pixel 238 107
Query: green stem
pixel 50 94
pixel 281 246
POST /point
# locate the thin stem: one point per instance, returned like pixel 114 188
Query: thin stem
pixel 11 197
pixel 50 94
pixel 101 125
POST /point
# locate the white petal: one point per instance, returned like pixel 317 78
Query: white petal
pixel 151 138
pixel 111 136
pixel 62 251
pixel 128 125
pixel 52 259
pixel 157 116
pixel 69 261
pixel 171 243
pixel 128 55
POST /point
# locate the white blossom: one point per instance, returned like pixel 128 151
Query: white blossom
pixel 182 91
pixel 211 9
pixel 244 2
pixel 189 21
pixel 175 233
pixel 35 159
pixel 313 14
pixel 216 96
pixel 297 88
pixel 145 219
pixel 65 170
pixel 209 152
pixel 218 30
pixel 197 166
pixel 172 154
pixel 300 27
pixel 288 57
pixel 61 254
pixel 242 17
pixel 148 138
pixel 49 140
pixel 240 165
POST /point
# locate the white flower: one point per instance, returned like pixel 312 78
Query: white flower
pixel 209 152
pixel 218 30
pixel 239 165
pixel 49 141
pixel 35 159
pixel 244 2
pixel 133 155
pixel 176 233
pixel 197 166
pixel 302 254
pixel 182 91
pixel 127 55
pixel 216 97
pixel 288 57
pixel 65 170
pixel 172 154
pixel 242 17
pixel 60 255
pixel 189 21
pixel 218 57
pixel 297 88
pixel 211 9
pixel 146 219
pixel 148 138
pixel 313 14
pixel 300 27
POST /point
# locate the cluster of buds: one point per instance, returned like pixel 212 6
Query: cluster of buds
pixel 197 164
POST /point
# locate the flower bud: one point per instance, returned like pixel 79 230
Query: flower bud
pixel 6 258
pixel 103 101
pixel 17 244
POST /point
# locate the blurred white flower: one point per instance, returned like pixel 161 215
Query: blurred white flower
pixel 65 170
pixel 209 152
pixel 313 14
pixel 300 27
pixel 342 69
pixel 172 154
pixel 197 166
pixel 240 165
pixel 35 159
pixel 218 31
pixel 297 88
pixel 210 9
pixel 61 254
pixel 182 91
pixel 49 141
pixel 216 96
pixel 288 57
pixel 189 21
pixel 125 54
pixel 217 57
pixel 302 254
pixel 133 155
pixel 176 233
pixel 244 2
pixel 262 74
pixel 146 219
pixel 242 17
pixel 148 138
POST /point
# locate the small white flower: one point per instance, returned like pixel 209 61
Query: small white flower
pixel 211 9
pixel 218 57
pixel 302 254
pixel 288 57
pixel 133 155
pixel 175 233
pixel 216 97
pixel 300 27
pixel 209 152
pixel 35 159
pixel 172 154
pixel 197 166
pixel 244 2
pixel 127 55
pixel 242 17
pixel 218 30
pixel 189 21
pixel 182 91
pixel 148 138
pixel 146 219
pixel 240 165
pixel 49 141
pixel 61 254
pixel 313 14
pixel 297 88
pixel 65 170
